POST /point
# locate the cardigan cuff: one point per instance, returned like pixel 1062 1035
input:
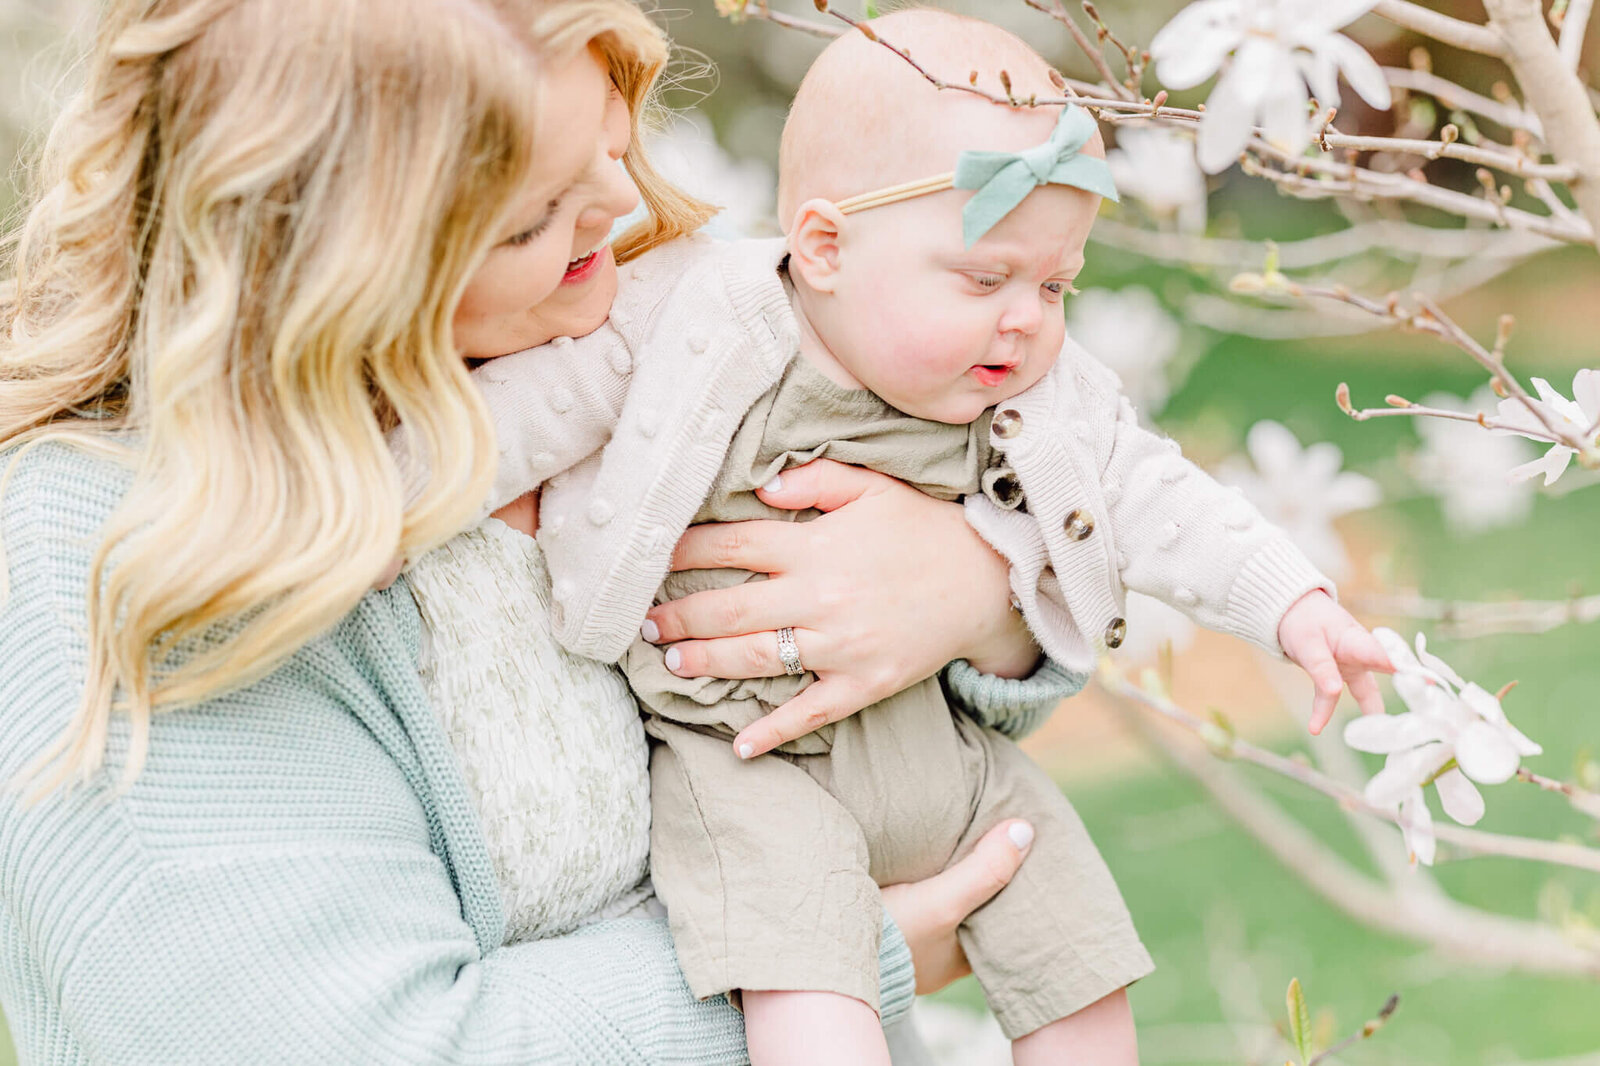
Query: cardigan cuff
pixel 1014 707
pixel 1273 579
pixel 897 978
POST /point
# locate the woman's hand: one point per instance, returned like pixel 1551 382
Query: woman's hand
pixel 928 912
pixel 881 592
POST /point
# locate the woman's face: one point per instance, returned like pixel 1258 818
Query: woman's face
pixel 553 275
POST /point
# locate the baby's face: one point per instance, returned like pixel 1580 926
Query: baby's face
pixel 942 331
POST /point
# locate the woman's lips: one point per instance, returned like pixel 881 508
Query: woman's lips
pixel 991 375
pixel 585 268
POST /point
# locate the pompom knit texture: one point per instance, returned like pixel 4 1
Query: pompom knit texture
pixel 299 874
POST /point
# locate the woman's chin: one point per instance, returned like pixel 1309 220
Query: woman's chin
pixel 575 310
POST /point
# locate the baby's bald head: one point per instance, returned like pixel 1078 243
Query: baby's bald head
pixel 864 119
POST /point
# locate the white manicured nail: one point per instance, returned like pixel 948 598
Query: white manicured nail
pixel 746 750
pixel 1021 834
pixel 650 631
pixel 674 659
pixel 775 485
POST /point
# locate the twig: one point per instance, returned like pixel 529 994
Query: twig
pixel 1469 841
pixel 1465 619
pixel 1084 45
pixel 1582 799
pixel 1457 98
pixel 1406 409
pixel 1509 162
pixel 1454 928
pixel 1573 26
pixel 1453 31
pixel 1365 1032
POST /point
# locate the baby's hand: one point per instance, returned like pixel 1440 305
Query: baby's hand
pixel 1335 650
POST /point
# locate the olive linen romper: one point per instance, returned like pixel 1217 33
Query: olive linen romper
pixel 769 867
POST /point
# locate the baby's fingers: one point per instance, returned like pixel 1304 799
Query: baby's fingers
pixel 1329 683
pixel 1364 688
pixel 1358 647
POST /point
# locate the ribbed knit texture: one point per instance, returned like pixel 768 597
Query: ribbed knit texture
pixel 298 874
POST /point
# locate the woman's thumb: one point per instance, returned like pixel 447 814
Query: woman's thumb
pixel 991 864
pixel 821 483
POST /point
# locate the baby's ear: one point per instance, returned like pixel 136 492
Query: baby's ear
pixel 814 243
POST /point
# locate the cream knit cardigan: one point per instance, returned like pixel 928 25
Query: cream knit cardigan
pixel 643 410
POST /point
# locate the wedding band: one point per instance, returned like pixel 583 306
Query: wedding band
pixel 789 653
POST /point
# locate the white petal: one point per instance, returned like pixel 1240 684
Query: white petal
pixel 1226 125
pixel 1382 734
pixel 1284 105
pixel 1459 797
pixel 1436 664
pixel 1351 492
pixel 1191 47
pixel 1396 648
pixel 1486 754
pixel 1552 465
pixel 1482 703
pixel 1586 392
pixel 1416 826
pixel 1520 741
pixel 1332 14
pixel 1360 69
pixel 1404 771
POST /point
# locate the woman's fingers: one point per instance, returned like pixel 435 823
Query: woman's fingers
pixel 824 701
pixel 736 610
pixel 734 658
pixel 823 484
pixel 762 546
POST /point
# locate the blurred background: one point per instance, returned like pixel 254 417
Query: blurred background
pixel 1228 923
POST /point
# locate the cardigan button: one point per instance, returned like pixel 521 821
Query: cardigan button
pixel 698 343
pixel 1079 524
pixel 1116 632
pixel 1000 484
pixel 1007 424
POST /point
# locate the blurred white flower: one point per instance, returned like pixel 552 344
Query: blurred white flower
pixel 1278 46
pixel 1470 470
pixel 1156 166
pixel 960 1037
pixel 687 154
pixel 1129 331
pixel 1448 720
pixel 1576 416
pixel 1152 625
pixel 1302 490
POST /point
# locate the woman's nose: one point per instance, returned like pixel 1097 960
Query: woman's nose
pixel 615 198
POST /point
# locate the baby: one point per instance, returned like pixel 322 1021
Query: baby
pixel 909 322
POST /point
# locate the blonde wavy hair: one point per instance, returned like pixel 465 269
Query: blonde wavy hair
pixel 250 233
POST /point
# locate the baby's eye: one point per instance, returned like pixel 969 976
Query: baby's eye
pixel 987 281
pixel 1056 289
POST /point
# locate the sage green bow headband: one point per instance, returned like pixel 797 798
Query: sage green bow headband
pixel 1002 180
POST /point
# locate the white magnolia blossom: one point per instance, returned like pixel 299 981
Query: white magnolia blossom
pixel 1470 471
pixel 1453 733
pixel 1152 626
pixel 1277 46
pixel 1302 490
pixel 1129 331
pixel 1577 416
pixel 1156 166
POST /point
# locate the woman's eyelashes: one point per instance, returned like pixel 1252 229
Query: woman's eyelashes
pixel 538 229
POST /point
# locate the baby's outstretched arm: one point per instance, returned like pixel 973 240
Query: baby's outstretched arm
pixel 1336 650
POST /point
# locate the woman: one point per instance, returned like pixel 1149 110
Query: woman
pixel 263 233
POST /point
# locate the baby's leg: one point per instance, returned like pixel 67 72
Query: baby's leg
pixel 1100 1034
pixel 1057 944
pixel 804 1028
pixel 764 877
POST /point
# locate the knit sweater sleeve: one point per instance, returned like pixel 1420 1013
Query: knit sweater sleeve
pixel 1186 540
pixel 294 876
pixel 1015 707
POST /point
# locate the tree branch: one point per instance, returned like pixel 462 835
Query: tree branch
pixel 1453 31
pixel 1553 91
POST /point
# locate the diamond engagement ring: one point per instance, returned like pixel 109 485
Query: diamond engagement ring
pixel 789 653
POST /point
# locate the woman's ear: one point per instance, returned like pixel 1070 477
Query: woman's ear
pixel 814 244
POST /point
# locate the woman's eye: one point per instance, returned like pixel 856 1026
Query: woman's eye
pixel 518 240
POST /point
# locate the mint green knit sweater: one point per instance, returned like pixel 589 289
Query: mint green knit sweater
pixel 298 874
